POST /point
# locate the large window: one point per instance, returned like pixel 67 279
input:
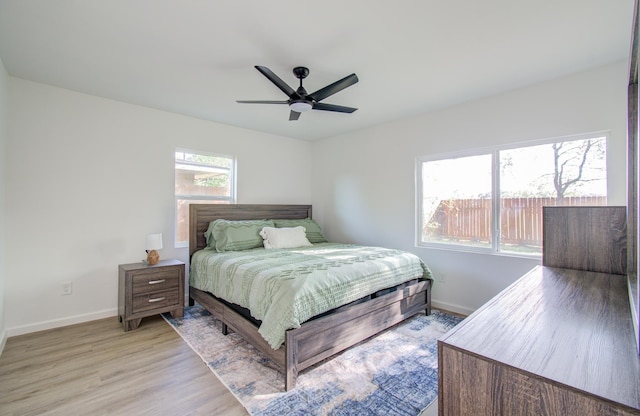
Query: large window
pixel 491 200
pixel 201 179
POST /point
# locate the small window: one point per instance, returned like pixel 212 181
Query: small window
pixel 491 200
pixel 201 178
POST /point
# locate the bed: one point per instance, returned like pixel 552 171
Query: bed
pixel 316 338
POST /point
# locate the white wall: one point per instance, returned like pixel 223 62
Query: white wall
pixel 3 180
pixel 90 177
pixel 366 191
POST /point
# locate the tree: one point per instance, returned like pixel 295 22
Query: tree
pixel 572 167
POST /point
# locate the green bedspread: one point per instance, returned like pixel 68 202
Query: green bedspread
pixel 285 287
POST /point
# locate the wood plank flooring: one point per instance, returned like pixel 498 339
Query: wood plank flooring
pixel 96 368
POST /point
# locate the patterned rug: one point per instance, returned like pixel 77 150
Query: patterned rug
pixel 394 373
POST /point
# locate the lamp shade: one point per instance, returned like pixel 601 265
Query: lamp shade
pixel 153 242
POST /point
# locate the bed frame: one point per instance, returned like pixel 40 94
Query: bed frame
pixel 316 339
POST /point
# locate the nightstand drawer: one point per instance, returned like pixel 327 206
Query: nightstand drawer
pixel 155 300
pixel 153 282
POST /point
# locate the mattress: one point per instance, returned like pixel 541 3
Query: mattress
pixel 284 288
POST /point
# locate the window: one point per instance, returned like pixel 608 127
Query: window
pixel 491 200
pixel 202 179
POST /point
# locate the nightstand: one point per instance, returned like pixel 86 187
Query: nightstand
pixel 145 290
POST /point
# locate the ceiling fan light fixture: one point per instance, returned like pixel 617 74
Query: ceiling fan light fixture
pixel 300 106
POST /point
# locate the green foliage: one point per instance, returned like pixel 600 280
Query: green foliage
pixel 208 177
pixel 217 181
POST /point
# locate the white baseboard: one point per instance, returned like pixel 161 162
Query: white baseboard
pixel 3 340
pixel 108 313
pixel 57 323
pixel 451 307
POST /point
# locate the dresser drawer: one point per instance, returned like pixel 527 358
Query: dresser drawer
pixel 158 281
pixel 155 300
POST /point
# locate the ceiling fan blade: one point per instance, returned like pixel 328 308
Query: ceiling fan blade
pixel 333 107
pixel 261 102
pixel 294 115
pixel 331 89
pixel 284 87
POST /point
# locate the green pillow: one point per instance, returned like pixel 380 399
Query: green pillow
pixel 239 235
pixel 314 233
pixel 208 235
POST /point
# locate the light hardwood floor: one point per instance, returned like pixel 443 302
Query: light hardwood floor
pixel 96 368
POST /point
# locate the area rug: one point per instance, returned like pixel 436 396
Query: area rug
pixel 394 373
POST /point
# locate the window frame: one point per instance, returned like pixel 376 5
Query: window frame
pixel 231 199
pixel 494 151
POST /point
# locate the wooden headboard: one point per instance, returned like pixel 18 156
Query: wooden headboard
pixel 200 215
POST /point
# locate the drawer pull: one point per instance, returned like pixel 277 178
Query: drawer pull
pixel 156 299
pixel 155 282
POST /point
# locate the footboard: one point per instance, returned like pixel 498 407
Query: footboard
pixel 319 339
pixel 324 337
pixel 238 324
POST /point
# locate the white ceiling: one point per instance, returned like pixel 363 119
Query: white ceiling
pixel 196 57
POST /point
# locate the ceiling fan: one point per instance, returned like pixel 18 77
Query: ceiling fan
pixel 299 100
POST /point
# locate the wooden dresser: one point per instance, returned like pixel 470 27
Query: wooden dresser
pixel 559 341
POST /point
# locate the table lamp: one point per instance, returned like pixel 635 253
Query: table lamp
pixel 154 243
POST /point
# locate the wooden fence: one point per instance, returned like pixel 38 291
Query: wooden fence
pixel 520 219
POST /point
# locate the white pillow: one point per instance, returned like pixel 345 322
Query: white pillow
pixel 284 237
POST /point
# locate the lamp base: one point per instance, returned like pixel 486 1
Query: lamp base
pixel 153 257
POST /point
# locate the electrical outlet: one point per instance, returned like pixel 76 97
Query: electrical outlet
pixel 65 288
